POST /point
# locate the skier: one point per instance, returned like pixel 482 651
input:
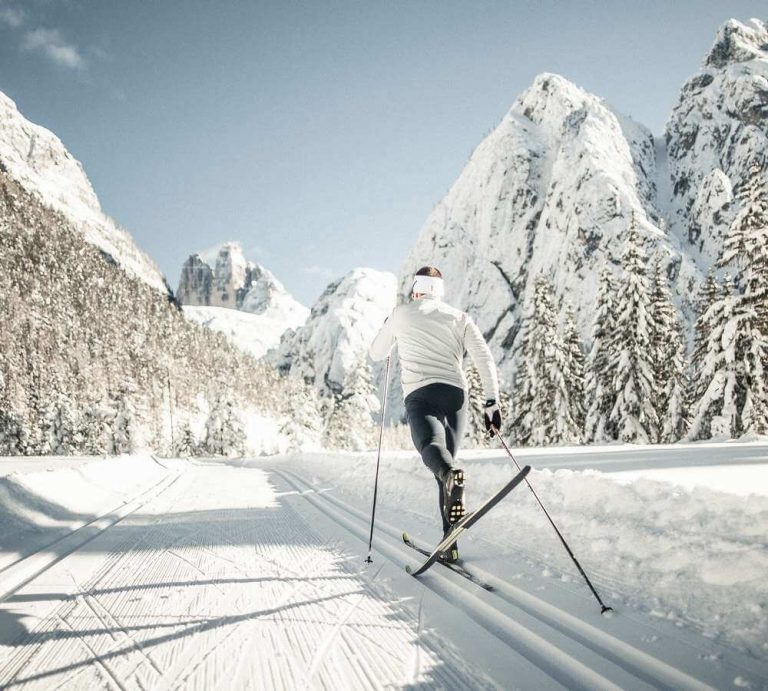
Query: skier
pixel 432 338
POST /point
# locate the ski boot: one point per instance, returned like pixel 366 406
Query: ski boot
pixel 453 495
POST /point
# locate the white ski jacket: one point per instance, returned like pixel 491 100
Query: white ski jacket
pixel 432 338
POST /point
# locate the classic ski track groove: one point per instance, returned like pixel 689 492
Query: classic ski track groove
pixel 19 573
pixel 192 593
pixel 640 665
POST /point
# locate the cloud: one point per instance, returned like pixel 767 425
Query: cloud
pixel 11 16
pixel 52 44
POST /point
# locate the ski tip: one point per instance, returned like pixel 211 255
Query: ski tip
pixel 406 538
pixel 408 569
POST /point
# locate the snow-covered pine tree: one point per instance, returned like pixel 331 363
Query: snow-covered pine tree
pixel 64 435
pixel 714 412
pixel 668 359
pixel 546 413
pixel 476 434
pixel 598 388
pixel 122 426
pixel 349 422
pixel 575 368
pixel 186 444
pixel 634 413
pixel 224 433
pixel 736 397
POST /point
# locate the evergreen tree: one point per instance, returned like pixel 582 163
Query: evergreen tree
pixel 349 423
pixel 575 369
pixel 546 413
pixel 123 435
pixel 668 359
pixel 476 432
pixel 600 369
pixel 732 367
pixel 224 433
pixel 633 413
pixel 65 438
pixel 186 444
pixel 715 412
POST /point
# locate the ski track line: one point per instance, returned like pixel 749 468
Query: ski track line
pixel 634 660
pixel 322 650
pixel 640 664
pixel 568 671
pixel 191 592
pixel 98 662
pixel 30 567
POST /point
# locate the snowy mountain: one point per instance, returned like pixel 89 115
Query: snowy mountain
pixel 106 364
pixel 333 343
pixel 716 131
pixel 40 163
pixel 220 289
pixel 555 187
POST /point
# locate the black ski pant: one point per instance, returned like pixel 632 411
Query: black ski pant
pixel 437 416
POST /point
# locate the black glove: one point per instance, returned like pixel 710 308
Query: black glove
pixel 492 414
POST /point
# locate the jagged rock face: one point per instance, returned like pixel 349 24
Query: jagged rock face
pixel 196 282
pixel 37 159
pixel 716 131
pixel 335 339
pixel 260 308
pixel 222 277
pixel 553 189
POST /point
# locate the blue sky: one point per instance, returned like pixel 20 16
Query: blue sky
pixel 319 134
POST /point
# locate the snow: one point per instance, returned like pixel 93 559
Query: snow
pixel 40 506
pixel 238 298
pixel 742 480
pixel 247 572
pixel 38 160
pixel 667 540
pixel 254 333
pixel 334 341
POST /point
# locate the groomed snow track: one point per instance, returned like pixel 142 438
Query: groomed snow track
pixel 563 646
pixel 243 575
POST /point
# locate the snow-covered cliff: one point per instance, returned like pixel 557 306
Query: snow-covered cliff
pixel 220 289
pixel 37 159
pixel 716 131
pixel 555 187
pixel 334 341
pixel 552 189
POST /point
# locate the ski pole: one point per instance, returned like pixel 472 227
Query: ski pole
pixel 605 608
pixel 378 459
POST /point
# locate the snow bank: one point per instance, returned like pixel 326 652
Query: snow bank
pixel 38 508
pixel 691 555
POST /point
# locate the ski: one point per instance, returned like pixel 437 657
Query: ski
pixel 468 521
pixel 456 567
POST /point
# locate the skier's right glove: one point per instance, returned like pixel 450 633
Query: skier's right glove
pixel 492 414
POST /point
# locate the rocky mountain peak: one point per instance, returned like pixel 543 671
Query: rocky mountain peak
pixel 717 131
pixel 334 341
pixel 222 277
pixel 551 97
pixel 38 160
pixel 737 42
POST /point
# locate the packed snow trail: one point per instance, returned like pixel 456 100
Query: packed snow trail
pixel 253 577
pixel 227 581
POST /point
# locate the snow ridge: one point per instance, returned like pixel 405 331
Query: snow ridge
pixel 37 159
